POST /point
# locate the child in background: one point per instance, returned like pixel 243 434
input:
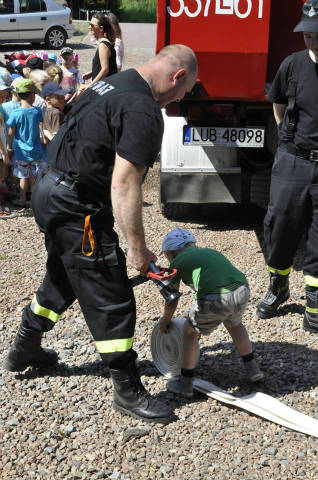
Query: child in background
pixel 221 296
pixel 119 44
pixel 25 124
pixel 39 78
pixel 77 73
pixel 68 82
pixel 4 159
pixel 5 111
pixel 54 96
pixel 55 73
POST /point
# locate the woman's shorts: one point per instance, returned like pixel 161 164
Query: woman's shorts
pixel 210 311
pixel 23 169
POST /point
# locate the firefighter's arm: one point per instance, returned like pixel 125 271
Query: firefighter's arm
pixel 169 312
pixel 126 195
pixel 279 112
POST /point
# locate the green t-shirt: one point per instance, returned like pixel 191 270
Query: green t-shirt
pixel 207 271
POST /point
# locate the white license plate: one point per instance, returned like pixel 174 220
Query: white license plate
pixel 224 136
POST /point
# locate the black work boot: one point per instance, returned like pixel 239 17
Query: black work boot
pixel 26 351
pixel 131 397
pixel 310 321
pixel 277 294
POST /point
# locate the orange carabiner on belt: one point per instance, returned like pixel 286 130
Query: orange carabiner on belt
pixel 88 233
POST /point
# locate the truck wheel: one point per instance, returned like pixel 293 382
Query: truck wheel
pixel 55 38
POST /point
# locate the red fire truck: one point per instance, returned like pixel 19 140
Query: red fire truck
pixel 219 142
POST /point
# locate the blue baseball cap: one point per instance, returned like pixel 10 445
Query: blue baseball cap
pixel 52 57
pixel 52 88
pixel 176 239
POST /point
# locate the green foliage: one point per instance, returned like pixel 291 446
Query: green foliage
pixel 113 6
pixel 138 11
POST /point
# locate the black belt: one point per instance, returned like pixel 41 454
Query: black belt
pixel 61 179
pixel 311 155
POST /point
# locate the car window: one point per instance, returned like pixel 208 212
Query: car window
pixel 29 6
pixel 6 6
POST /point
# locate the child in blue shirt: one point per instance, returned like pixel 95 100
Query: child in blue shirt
pixel 25 124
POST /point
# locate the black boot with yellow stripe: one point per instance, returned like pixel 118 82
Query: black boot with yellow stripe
pixel 277 294
pixel 310 322
pixel 26 351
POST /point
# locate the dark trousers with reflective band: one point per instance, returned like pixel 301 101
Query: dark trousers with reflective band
pixel 292 211
pixel 99 281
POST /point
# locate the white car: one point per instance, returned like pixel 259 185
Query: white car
pixel 35 21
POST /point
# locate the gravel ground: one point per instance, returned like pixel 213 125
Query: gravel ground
pixel 60 424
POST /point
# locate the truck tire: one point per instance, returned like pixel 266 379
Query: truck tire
pixel 55 38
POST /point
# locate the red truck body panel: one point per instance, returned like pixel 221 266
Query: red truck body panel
pixel 239 43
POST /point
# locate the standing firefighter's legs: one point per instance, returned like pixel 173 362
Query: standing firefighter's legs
pixel 54 296
pixel 310 266
pixel 287 219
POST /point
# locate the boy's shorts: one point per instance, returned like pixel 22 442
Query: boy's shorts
pixel 210 311
pixel 23 169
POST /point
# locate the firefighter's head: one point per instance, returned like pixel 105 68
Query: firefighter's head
pixel 309 25
pixel 171 74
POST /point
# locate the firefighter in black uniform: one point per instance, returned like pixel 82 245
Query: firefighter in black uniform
pixel 96 165
pixel 293 206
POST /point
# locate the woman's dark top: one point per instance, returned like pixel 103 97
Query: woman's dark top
pixel 96 66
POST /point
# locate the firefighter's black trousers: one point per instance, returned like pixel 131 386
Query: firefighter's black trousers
pixel 292 211
pixel 99 281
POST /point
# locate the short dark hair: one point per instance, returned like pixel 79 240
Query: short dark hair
pixel 25 95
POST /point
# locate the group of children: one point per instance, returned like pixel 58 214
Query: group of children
pixel 35 90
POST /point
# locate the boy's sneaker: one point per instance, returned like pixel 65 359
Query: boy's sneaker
pixel 253 372
pixel 181 386
pixel 19 202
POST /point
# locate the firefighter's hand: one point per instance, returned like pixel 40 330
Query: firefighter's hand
pixel 140 259
pixel 164 325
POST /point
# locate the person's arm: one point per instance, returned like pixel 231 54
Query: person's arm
pixel 104 55
pixel 168 313
pixel 87 75
pixel 10 137
pixel 279 112
pixel 48 134
pixel 4 153
pixel 44 139
pixel 126 195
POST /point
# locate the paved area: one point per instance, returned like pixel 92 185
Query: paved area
pixel 136 35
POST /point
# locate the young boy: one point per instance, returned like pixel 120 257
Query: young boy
pixel 221 296
pixel 53 116
pixel 25 124
pixel 69 81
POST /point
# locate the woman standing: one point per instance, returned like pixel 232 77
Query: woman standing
pixel 104 61
pixel 119 44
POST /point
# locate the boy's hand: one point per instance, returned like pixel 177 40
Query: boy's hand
pixel 164 325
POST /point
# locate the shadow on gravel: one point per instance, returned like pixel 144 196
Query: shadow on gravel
pixel 288 368
pixel 224 217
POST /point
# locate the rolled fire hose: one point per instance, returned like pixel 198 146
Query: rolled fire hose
pixel 166 354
